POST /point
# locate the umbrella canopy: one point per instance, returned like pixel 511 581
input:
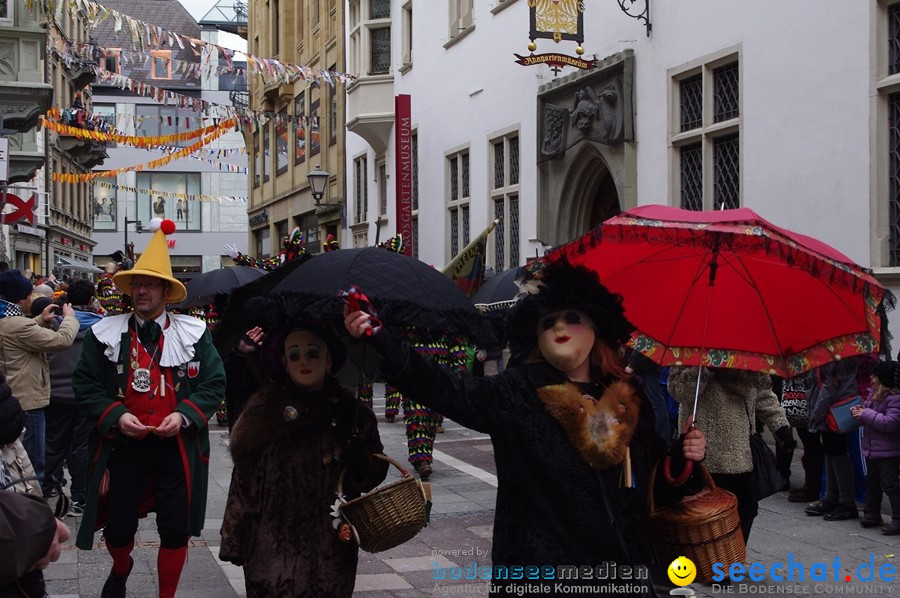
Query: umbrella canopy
pixel 204 288
pixel 729 289
pixel 405 291
pixel 234 322
pixel 497 293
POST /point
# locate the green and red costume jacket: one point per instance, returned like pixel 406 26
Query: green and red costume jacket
pixel 102 380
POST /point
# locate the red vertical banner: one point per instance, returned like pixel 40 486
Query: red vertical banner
pixel 403 158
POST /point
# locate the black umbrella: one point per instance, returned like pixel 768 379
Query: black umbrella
pixel 497 293
pixel 405 291
pixel 235 321
pixel 204 288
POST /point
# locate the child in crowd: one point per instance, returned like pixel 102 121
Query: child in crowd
pixel 880 416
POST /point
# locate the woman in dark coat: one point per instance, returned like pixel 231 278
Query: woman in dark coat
pixel 567 426
pixel 290 445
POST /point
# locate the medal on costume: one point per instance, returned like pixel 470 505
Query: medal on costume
pixel 140 380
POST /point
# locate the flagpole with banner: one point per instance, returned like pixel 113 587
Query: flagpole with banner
pixel 466 269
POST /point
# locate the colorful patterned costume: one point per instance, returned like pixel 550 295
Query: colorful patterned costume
pixel 422 422
pixel 331 244
pixel 111 299
pixel 292 247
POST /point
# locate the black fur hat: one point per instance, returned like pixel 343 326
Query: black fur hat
pixel 887 374
pixel 560 285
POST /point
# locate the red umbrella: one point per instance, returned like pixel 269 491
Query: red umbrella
pixel 730 289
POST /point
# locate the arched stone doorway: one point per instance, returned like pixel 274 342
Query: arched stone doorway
pixel 589 195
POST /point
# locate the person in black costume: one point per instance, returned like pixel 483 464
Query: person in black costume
pixel 573 436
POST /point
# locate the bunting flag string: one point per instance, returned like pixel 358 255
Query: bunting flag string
pixel 176 194
pixel 136 141
pixel 144 36
pixel 64 177
pixel 71 52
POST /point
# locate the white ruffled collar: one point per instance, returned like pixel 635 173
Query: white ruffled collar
pixel 180 336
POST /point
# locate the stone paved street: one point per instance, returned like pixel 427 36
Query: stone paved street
pixel 463 489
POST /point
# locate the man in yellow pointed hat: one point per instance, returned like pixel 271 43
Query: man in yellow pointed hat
pixel 150 380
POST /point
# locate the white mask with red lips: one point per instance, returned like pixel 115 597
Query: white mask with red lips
pixel 565 339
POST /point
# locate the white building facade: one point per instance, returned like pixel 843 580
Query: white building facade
pixel 790 109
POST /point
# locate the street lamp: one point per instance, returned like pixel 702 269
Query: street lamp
pixel 317 180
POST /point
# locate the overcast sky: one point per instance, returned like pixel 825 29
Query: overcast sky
pixel 198 10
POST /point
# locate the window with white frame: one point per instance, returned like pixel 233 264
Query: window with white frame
pixel 415 194
pixel 104 204
pixel 704 133
pixel 370 37
pixel 460 16
pixel 6 11
pixel 381 174
pixel 505 201
pixel 457 201
pixel 360 189
pixel 406 24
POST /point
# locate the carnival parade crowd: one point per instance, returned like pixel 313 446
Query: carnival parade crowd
pixel 116 383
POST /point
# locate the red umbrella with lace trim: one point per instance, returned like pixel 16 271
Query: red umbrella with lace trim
pixel 730 289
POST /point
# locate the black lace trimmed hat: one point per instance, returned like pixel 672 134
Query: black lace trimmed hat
pixel 558 286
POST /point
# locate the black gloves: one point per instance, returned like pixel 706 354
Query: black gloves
pixel 784 436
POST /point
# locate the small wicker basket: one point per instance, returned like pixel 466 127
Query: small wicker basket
pixel 704 527
pixel 387 516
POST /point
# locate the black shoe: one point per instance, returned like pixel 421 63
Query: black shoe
pixel 892 528
pixel 842 513
pixel 802 495
pixel 115 584
pixel 820 508
pixel 423 469
pixel 870 521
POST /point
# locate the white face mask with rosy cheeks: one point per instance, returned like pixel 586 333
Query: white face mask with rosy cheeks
pixel 565 340
pixel 306 359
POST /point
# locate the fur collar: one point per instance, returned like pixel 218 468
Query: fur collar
pixel 600 429
pixel 267 416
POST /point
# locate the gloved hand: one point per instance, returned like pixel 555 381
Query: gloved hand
pixel 232 251
pixel 784 436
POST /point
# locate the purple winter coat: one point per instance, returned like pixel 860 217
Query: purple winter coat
pixel 881 423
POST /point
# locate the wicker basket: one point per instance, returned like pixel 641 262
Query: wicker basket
pixel 387 516
pixel 704 527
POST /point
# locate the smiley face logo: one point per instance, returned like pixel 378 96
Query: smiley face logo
pixel 682 571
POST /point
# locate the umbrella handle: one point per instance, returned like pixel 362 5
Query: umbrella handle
pixel 357 301
pixel 686 464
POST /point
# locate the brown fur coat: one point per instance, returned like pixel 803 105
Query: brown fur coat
pixel 289 447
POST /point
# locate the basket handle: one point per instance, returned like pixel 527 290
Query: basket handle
pixel 651 503
pixel 404 473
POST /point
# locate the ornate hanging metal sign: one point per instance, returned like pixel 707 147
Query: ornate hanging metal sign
pixel 557 20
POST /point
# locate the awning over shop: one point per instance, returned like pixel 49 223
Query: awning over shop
pixel 69 264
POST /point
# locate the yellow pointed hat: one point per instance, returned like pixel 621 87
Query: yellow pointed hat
pixel 155 262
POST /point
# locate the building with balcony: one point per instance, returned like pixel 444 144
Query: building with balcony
pixel 195 192
pixel 792 111
pixel 24 96
pixel 307 125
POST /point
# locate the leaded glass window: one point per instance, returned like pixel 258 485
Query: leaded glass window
pixel 380 9
pixel 381 49
pixel 894 172
pixel 454 232
pixel 692 176
pixel 499 166
pixel 691 102
pixel 454 179
pixel 894 39
pixel 513 231
pixel 514 161
pixel 726 170
pixel 725 92
pixel 499 238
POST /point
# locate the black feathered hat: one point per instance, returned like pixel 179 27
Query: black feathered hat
pixel 560 285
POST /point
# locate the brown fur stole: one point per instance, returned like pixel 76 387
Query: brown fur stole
pixel 266 418
pixel 601 428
